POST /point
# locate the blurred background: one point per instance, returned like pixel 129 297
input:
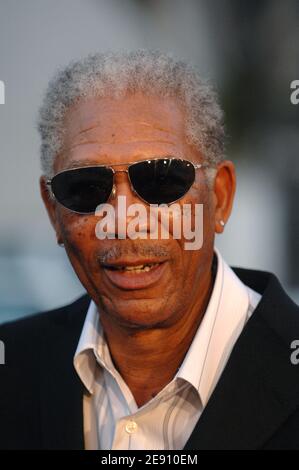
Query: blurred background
pixel 249 51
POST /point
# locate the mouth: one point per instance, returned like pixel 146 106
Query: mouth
pixel 134 275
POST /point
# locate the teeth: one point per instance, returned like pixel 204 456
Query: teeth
pixel 139 269
pixel 132 268
pixel 136 269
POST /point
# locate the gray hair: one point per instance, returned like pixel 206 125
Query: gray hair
pixel 118 73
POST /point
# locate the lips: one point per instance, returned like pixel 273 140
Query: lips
pixel 134 275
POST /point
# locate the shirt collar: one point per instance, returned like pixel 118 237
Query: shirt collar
pixel 92 349
pixel 84 359
pixel 220 327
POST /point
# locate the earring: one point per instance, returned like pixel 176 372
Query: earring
pixel 60 243
pixel 113 192
pixel 222 223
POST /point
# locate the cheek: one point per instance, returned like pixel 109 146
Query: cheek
pixel 78 232
pixel 193 261
pixel 198 222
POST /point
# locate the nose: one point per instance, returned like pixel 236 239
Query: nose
pixel 122 199
pixel 122 187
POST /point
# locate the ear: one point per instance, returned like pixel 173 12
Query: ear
pixel 50 205
pixel 224 191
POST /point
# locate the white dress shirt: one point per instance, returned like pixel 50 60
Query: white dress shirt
pixel 112 419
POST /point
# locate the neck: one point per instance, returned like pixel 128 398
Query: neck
pixel 144 357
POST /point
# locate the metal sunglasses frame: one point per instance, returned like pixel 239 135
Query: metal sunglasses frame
pixel 196 166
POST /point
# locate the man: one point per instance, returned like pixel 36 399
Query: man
pixel 170 348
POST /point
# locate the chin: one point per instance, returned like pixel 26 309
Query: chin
pixel 140 313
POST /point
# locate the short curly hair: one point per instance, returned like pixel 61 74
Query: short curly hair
pixel 118 73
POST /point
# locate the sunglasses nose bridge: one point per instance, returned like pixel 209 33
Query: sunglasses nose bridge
pixel 116 183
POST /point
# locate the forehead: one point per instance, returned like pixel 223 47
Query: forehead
pixel 106 113
pixel 137 126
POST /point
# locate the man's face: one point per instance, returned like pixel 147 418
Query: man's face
pixel 110 131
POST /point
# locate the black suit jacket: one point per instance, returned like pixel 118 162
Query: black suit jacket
pixel 255 404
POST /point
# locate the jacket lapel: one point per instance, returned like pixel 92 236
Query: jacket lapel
pixel 259 387
pixel 61 389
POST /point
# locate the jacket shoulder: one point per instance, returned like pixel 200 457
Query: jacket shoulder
pixel 55 316
pixel 37 372
pixel 23 337
pixel 276 308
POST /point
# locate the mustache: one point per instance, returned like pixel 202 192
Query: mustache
pixel 118 251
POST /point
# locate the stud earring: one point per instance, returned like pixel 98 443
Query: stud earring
pixel 60 243
pixel 222 223
pixel 113 192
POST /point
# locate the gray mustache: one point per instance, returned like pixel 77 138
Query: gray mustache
pixel 118 252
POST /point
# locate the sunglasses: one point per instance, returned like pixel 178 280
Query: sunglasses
pixel 155 181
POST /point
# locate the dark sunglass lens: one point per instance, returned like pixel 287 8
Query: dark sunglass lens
pixel 162 180
pixel 83 189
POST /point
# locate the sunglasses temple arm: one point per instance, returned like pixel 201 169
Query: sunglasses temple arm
pixel 48 184
pixel 202 165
